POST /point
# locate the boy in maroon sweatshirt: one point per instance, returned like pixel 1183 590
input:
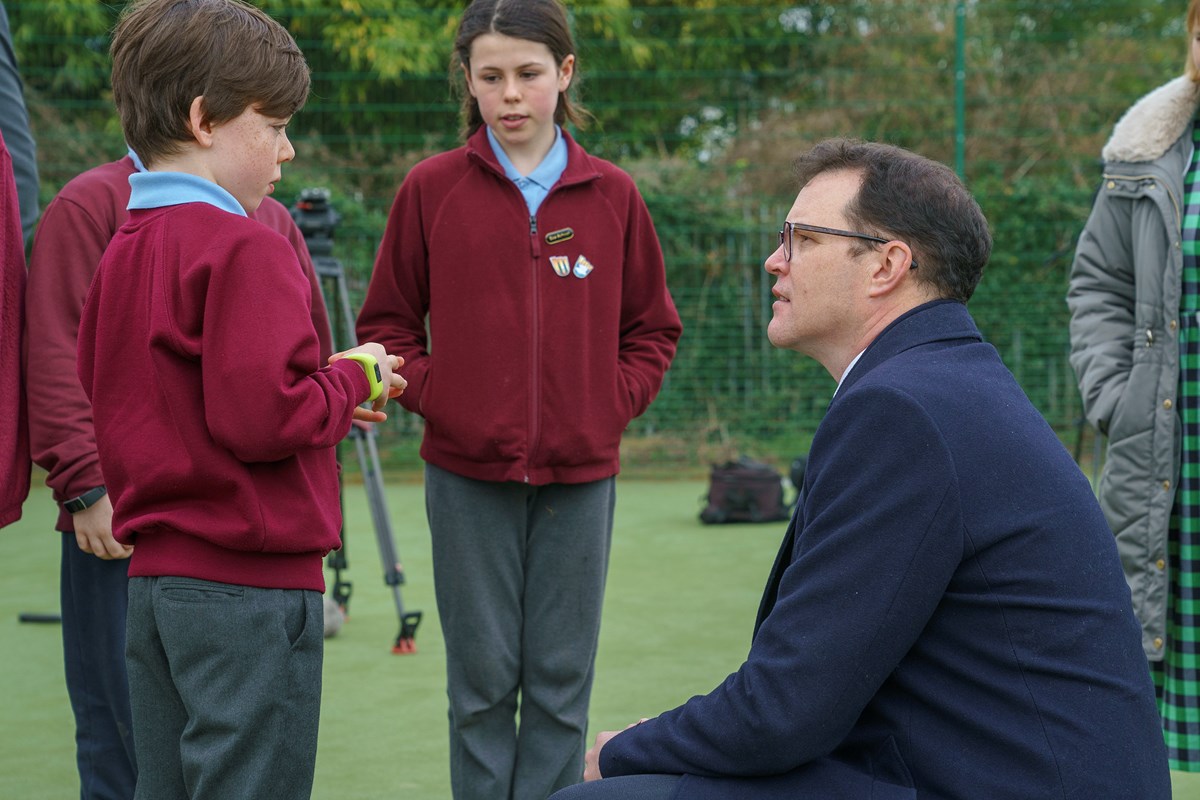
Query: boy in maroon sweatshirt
pixel 214 418
pixel 93 583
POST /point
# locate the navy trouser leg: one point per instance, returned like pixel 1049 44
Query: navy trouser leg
pixel 94 596
pixel 628 787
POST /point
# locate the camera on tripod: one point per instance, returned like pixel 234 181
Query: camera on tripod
pixel 316 219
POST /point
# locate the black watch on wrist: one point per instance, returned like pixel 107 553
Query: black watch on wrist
pixel 85 500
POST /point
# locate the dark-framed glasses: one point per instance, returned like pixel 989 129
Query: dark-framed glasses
pixel 785 236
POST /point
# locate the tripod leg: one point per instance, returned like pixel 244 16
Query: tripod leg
pixel 334 276
pixel 338 560
pixel 341 589
pixel 393 570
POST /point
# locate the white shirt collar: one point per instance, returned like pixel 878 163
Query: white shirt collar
pixel 846 372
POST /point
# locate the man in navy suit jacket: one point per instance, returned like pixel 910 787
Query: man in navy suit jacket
pixel 947 617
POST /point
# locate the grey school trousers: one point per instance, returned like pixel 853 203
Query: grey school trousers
pixel 519 576
pixel 225 686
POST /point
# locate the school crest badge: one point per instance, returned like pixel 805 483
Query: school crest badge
pixel 562 265
pixel 583 267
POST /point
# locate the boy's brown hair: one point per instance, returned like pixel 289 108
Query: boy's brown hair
pixel 166 53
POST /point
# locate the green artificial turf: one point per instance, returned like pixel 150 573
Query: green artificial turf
pixel 679 610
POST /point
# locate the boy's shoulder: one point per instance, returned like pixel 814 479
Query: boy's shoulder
pixel 112 177
pixel 204 246
pixel 97 197
pixel 204 228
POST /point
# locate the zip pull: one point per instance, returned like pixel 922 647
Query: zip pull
pixel 1149 337
pixel 532 225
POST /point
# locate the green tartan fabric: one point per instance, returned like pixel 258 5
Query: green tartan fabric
pixel 1177 676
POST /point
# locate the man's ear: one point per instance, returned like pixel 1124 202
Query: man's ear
pixel 199 124
pixel 891 268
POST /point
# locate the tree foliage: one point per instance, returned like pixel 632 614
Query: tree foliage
pixel 63 45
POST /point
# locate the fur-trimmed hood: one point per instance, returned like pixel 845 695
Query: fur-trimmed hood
pixel 1154 122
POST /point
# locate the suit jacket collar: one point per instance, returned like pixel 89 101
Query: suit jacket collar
pixel 937 320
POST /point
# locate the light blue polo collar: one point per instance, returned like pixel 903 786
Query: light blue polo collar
pixel 537 184
pixel 160 189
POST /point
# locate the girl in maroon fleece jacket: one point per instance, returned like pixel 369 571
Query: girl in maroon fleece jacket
pixel 549 328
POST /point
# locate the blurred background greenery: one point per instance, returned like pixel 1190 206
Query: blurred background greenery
pixel 706 104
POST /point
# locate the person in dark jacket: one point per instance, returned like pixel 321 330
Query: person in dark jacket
pixel 18 136
pixel 947 616
pixel 550 327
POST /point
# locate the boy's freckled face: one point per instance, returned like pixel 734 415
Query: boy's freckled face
pixel 250 150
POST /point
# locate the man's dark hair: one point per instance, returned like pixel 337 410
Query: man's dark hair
pixel 914 200
pixel 166 53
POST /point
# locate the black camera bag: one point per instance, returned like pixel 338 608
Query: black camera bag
pixel 744 491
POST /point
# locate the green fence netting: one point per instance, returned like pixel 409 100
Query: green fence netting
pixel 706 104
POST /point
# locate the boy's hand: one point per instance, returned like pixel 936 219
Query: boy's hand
pixel 394 384
pixel 93 531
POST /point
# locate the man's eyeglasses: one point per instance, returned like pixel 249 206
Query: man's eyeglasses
pixel 785 236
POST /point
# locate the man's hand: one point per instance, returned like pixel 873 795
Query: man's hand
pixel 591 761
pixel 93 531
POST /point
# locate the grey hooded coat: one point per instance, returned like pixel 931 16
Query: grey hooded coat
pixel 1124 297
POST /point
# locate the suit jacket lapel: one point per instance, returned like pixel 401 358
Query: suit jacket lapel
pixel 782 560
pixel 937 320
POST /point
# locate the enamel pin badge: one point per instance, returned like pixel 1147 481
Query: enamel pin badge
pixel 562 265
pixel 559 236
